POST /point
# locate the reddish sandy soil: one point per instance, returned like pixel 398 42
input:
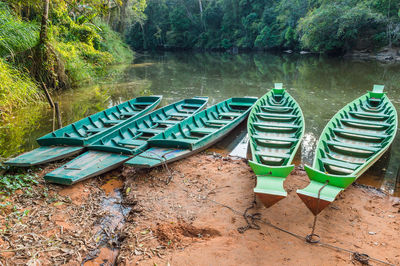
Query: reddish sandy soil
pixel 178 224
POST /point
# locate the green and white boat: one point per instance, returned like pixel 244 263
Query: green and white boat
pixel 72 139
pixel 125 142
pixel 194 134
pixel 275 128
pixel 353 140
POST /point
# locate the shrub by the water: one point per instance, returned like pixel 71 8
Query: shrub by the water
pixel 16 88
pixel 15 35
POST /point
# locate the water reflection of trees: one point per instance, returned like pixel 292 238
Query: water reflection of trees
pixel 321 85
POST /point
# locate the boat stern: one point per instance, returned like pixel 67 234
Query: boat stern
pixel 269 188
pixel 323 189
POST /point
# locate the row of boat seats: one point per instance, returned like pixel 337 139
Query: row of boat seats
pixel 135 107
pixel 276 109
pixel 361 119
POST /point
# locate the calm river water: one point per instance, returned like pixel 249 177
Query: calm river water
pixel 320 85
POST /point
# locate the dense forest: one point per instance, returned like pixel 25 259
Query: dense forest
pixel 57 44
pixel 327 26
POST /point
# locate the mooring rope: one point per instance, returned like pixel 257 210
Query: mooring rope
pixel 251 220
pixel 309 238
pixel 360 257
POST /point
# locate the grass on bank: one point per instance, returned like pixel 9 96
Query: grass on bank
pixel 86 50
pixel 16 88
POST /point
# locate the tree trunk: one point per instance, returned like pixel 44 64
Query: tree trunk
pixel 122 17
pixel 144 36
pixel 47 66
pixel 201 15
pixel 43 28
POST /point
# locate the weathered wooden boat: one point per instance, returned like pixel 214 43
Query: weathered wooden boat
pixel 354 139
pixel 71 139
pixel 125 142
pixel 275 128
pixel 194 134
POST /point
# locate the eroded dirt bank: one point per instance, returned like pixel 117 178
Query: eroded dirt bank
pixel 128 217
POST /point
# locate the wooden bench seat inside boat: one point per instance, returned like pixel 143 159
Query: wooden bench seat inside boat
pixel 353 146
pixel 330 162
pixel 359 134
pixel 273 154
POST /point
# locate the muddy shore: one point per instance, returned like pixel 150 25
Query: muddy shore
pixel 130 217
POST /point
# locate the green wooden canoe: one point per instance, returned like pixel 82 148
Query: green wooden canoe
pixel 194 134
pixel 275 128
pixel 126 141
pixel 354 139
pixel 71 139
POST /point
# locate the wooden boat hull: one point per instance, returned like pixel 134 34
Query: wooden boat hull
pixel 185 139
pixel 81 167
pixel 125 142
pixel 275 128
pixel 44 154
pixel 353 140
pixel 71 139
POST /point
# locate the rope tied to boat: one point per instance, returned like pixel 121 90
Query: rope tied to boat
pixel 163 160
pixel 256 217
pixel 250 219
pixel 361 257
pixel 309 238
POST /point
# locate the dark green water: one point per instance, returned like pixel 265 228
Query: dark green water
pixel 321 86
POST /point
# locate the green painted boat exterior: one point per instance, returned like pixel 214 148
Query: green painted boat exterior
pixel 44 155
pixel 70 140
pixel 354 139
pixel 275 128
pixel 96 126
pixel 194 134
pixel 122 144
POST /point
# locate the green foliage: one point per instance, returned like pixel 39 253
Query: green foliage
pixel 321 26
pixel 15 35
pixel 337 26
pixel 83 44
pixel 82 61
pixel 10 183
pixel 87 48
pixel 16 88
pixel 112 43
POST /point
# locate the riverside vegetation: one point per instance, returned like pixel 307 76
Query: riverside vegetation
pixel 73 45
pixel 327 26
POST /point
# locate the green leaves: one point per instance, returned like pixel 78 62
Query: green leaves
pixel 11 183
pixel 337 26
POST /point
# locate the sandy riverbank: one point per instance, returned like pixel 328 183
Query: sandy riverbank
pixel 130 217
